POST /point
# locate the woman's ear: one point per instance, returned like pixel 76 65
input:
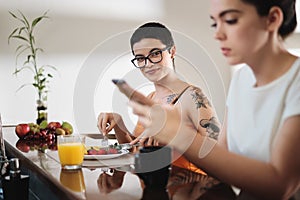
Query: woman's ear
pixel 275 18
pixel 173 51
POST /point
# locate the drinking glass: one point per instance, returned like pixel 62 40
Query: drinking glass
pixel 70 151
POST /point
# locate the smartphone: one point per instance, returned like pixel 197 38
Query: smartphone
pixel 132 94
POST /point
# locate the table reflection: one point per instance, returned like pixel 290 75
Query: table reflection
pixel 182 184
pixel 74 181
pixel 110 180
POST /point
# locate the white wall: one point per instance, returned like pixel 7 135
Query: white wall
pixel 88 42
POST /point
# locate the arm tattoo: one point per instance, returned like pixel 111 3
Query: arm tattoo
pixel 171 97
pixel 212 127
pixel 199 98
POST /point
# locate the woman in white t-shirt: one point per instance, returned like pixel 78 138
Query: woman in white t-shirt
pixel 258 150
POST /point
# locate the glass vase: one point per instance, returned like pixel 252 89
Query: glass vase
pixel 42 112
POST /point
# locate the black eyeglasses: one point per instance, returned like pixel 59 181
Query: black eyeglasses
pixel 155 56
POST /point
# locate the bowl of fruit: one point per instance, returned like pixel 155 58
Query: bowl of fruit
pixel 40 136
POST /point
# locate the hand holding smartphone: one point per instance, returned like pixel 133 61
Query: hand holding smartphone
pixel 132 94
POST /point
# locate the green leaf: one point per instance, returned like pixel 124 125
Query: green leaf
pixel 21 51
pixel 35 21
pixel 20 37
pixel 25 19
pixel 38 19
pixel 41 87
pixel 43 80
pixel 22 86
pixel 22 68
pixel 16 71
pixel 12 14
pixel 23 29
pixel 21 46
pixel 26 62
pixel 28 57
pixel 41 70
pixel 12 33
pixel 39 49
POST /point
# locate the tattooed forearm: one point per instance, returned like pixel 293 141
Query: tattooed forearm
pixel 212 127
pixel 199 98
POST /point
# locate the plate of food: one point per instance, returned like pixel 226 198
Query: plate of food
pixel 100 153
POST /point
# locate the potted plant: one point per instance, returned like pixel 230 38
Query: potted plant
pixel 28 49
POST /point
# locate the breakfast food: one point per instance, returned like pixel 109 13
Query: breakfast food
pixel 104 151
pixel 94 150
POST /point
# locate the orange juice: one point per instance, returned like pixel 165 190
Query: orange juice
pixel 70 153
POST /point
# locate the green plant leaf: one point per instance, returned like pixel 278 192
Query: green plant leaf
pixel 43 80
pixel 28 58
pixel 26 62
pixel 16 71
pixel 25 19
pixel 22 86
pixel 12 14
pixel 20 37
pixel 37 20
pixel 41 70
pixel 21 30
pixel 12 33
pixel 19 51
pixel 21 46
pixel 22 68
pixel 38 49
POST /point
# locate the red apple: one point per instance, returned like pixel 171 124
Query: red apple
pixel 22 130
pixel 54 125
pixel 23 146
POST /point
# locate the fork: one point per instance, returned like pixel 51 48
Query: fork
pixel 104 141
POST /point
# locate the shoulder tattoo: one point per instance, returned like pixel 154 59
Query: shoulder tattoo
pixel 171 97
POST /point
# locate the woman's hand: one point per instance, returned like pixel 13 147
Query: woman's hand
pixel 161 122
pixel 107 121
pixel 151 141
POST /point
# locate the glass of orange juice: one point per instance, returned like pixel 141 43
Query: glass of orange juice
pixel 70 151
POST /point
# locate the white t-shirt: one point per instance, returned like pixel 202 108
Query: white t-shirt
pixel 254 113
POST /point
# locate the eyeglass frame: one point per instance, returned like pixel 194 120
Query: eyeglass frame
pixel 147 57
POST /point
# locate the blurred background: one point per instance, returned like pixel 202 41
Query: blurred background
pixel 88 43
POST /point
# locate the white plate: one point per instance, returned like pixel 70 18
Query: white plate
pixel 106 156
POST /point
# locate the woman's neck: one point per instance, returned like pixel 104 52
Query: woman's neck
pixel 169 85
pixel 270 65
